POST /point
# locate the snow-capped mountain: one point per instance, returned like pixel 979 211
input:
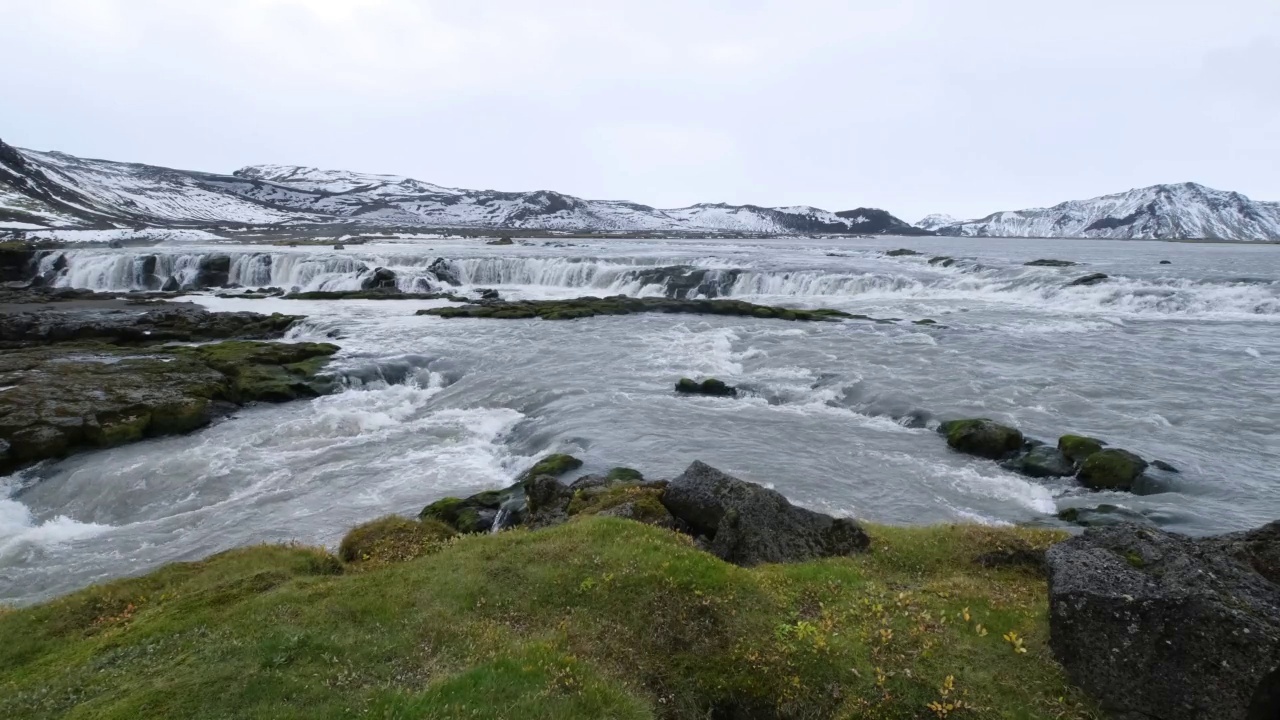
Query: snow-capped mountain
pixel 56 190
pixel 936 220
pixel 1186 210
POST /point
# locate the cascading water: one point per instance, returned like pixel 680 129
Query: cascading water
pixel 115 270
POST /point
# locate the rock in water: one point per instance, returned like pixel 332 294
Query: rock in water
pixel 710 386
pixel 1159 625
pixel 1041 462
pixel 1112 469
pixel 982 437
pixel 747 524
pixel 1093 279
pixel 1078 447
pixel 1050 263
pixel 382 278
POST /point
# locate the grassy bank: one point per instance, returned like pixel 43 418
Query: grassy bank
pixel 598 618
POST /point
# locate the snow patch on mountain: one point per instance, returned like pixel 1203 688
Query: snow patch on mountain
pixel 1180 211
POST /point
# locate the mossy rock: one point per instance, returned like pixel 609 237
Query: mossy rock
pixel 1112 469
pixel 624 474
pixel 633 501
pixel 393 539
pixel 1078 447
pixel 901 252
pixel 554 465
pixel 982 437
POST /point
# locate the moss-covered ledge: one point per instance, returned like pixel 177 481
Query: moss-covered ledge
pixel 65 398
pixel 626 305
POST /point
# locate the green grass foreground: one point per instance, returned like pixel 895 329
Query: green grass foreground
pixel 597 618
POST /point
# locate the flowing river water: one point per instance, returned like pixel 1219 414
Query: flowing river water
pixel 1174 361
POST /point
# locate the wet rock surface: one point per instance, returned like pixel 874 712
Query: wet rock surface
pixel 1160 625
pixel 121 323
pixel 710 386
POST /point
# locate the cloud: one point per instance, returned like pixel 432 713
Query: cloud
pixel 914 105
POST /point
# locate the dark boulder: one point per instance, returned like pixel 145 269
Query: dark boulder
pixel 1165 262
pixel 746 524
pixel 1162 465
pixel 1093 279
pixel 1159 625
pixel 982 437
pixel 171 285
pixel 214 271
pixel 1041 462
pixel 1112 469
pixel 901 252
pixel 380 278
pixel 488 294
pixel 1078 447
pixel 710 386
pixel 943 260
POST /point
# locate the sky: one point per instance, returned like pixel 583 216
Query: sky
pixel 914 106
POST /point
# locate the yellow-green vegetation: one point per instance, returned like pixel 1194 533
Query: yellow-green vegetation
pixel 646 499
pixel 393 539
pixel 597 618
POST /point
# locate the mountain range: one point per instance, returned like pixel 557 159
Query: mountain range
pixel 51 189
pixel 42 190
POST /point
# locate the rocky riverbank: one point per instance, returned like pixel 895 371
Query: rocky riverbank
pixel 613 595
pixel 625 305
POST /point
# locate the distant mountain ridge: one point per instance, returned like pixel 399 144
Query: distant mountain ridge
pixel 57 190
pixel 1183 210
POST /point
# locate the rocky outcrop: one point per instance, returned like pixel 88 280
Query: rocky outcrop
pixel 214 271
pixel 710 386
pixel 982 437
pixel 1161 626
pixel 62 399
pixel 747 524
pixel 738 521
pixel 122 324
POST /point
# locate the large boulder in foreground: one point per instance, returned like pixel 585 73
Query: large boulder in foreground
pixel 746 524
pixel 982 437
pixel 1162 626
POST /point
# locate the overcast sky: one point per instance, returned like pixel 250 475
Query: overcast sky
pixel 914 106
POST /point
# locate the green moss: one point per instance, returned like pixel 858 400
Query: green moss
pixel 645 499
pixel 118 429
pixel 595 618
pixel 624 474
pixel 445 510
pixel 1078 447
pixel 554 465
pixel 981 437
pixel 1134 559
pixel 393 539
